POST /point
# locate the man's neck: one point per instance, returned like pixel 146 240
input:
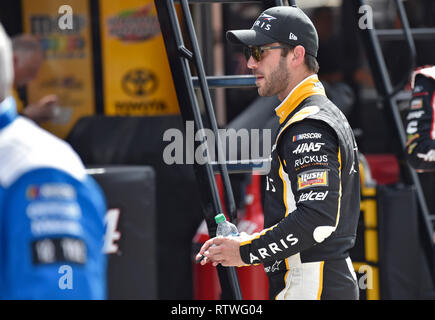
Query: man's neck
pixel 293 83
pixel 307 87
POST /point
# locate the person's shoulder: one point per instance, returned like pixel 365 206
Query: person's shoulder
pixel 309 129
pixel 26 147
pixel 310 115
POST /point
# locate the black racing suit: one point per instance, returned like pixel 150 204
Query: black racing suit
pixel 312 205
pixel 420 121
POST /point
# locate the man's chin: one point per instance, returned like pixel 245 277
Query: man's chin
pixel 263 94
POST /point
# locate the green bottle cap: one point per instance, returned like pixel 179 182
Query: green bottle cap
pixel 220 218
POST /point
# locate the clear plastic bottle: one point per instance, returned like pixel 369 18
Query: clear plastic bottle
pixel 224 227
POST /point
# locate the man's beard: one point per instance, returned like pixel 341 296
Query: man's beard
pixel 277 80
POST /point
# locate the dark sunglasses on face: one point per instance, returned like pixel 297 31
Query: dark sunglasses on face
pixel 256 51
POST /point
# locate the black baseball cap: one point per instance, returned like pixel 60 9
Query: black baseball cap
pixel 285 24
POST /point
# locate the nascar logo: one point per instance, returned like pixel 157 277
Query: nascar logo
pixel 311 135
pixel 51 190
pixel 303 136
pixel 312 178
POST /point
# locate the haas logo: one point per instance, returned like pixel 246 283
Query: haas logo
pixel 308 147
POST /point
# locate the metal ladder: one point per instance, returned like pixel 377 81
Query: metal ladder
pixel 371 38
pixel 180 59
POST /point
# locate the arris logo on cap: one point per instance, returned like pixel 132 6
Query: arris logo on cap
pixel 262 21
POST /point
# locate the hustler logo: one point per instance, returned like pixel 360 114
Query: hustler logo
pixel 416 104
pixel 312 178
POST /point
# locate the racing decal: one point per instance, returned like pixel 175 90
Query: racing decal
pixel 274 267
pixel 56 250
pixel 415 115
pixel 311 135
pixel 312 178
pixel 262 22
pixel 319 159
pixel 59 191
pixel 411 147
pixel 418 88
pixel 51 226
pixel 416 104
pixel 53 217
pixel 308 147
pixel 274 248
pixel 53 209
pixel 411 138
pixel 419 94
pixel 313 196
pixel 322 232
pixel 412 127
pixel 429 156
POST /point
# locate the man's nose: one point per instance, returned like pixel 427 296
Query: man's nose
pixel 252 63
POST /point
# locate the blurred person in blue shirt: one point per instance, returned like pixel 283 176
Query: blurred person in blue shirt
pixel 51 211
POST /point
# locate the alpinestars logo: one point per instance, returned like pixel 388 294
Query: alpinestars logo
pixel 274 267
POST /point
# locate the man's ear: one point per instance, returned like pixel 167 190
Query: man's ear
pixel 298 55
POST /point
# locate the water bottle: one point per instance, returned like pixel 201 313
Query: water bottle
pixel 224 227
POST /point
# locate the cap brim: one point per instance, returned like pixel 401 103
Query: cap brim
pixel 248 37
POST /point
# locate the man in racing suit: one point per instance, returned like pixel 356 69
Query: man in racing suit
pixel 312 190
pixel 420 121
pixel 51 211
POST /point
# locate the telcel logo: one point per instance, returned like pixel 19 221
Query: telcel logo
pixel 313 196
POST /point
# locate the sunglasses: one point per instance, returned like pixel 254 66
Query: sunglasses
pixel 256 51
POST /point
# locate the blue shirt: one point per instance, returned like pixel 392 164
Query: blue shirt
pixel 51 216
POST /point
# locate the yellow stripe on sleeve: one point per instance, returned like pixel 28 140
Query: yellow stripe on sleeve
pixel 319 293
pixel 257 235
